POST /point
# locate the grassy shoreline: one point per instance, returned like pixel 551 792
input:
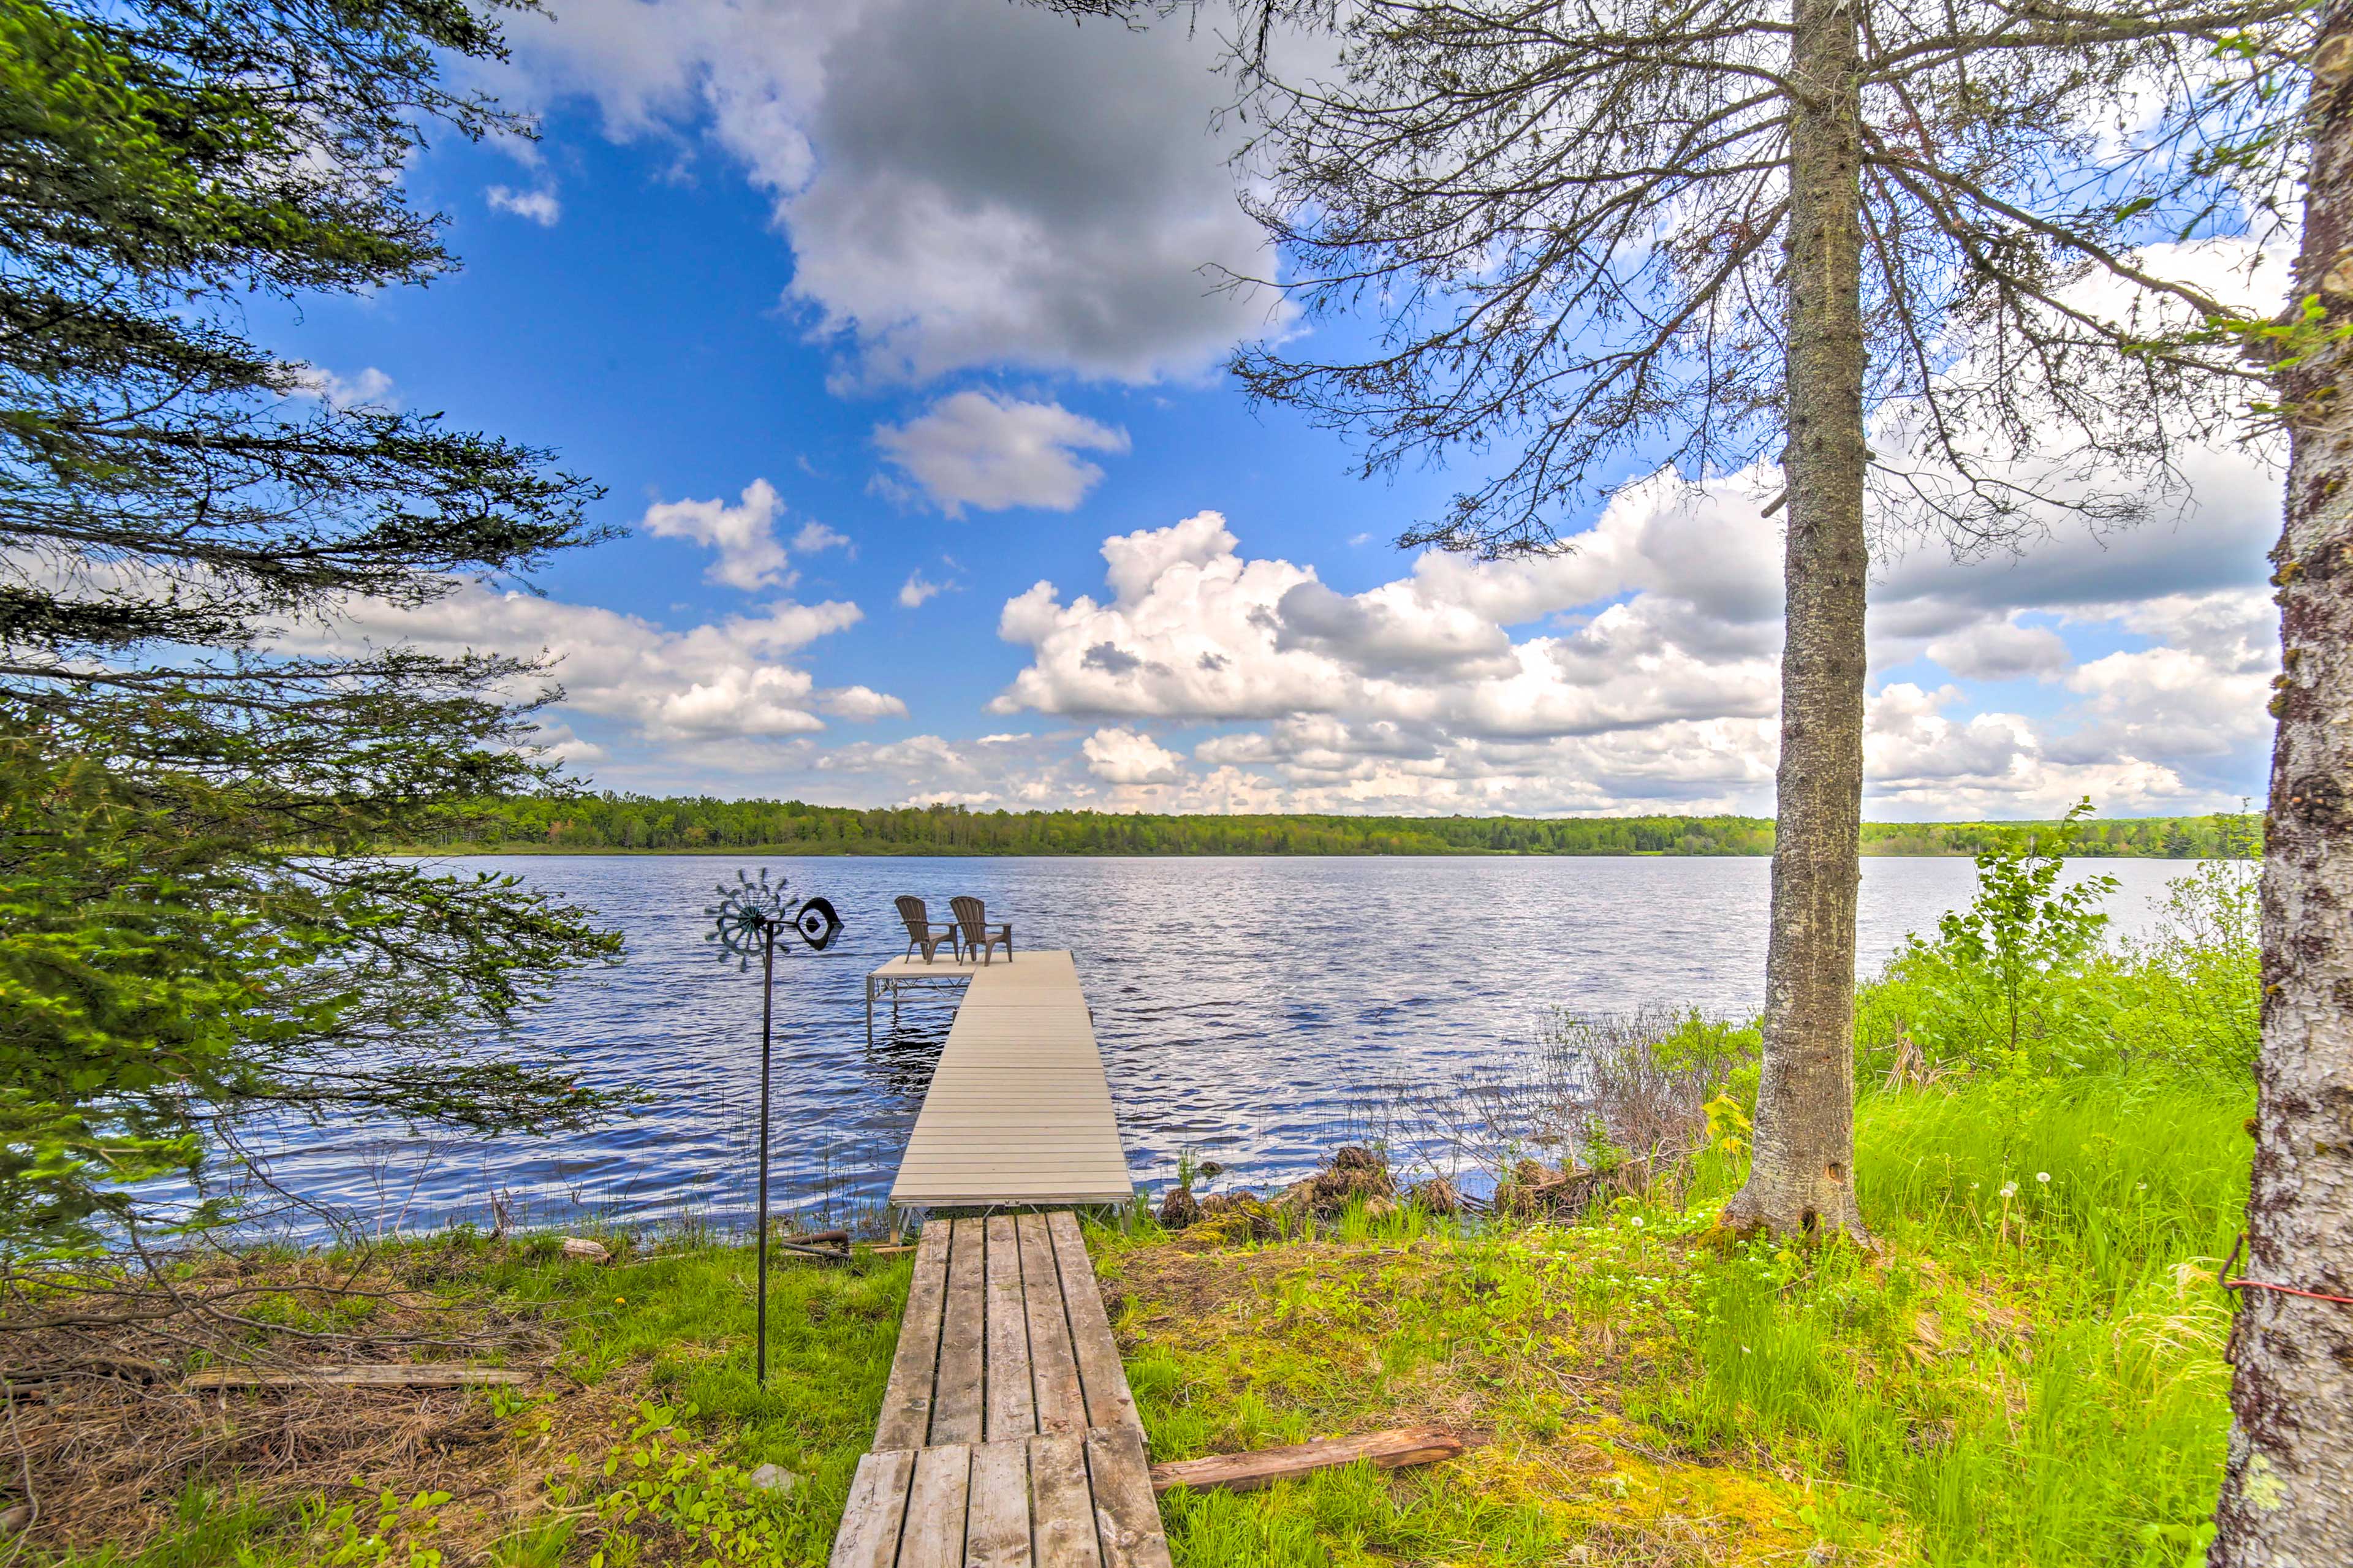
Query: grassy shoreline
pixel 2033 1378
pixel 2025 1369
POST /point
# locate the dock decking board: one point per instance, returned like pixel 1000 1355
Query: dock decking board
pixel 1009 1437
pixel 1018 1110
pixel 1005 1336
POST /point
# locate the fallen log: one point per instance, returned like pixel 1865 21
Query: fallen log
pixel 369 1374
pixel 830 1254
pixel 1246 1472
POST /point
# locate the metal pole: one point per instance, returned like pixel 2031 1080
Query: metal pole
pixel 767 1012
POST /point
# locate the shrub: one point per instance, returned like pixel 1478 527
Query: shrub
pixel 2026 982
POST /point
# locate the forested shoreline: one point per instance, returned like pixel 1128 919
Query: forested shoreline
pixel 614 823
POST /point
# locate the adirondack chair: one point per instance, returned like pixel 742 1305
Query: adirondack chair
pixel 921 937
pixel 973 917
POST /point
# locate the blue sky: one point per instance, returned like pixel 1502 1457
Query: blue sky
pixel 872 317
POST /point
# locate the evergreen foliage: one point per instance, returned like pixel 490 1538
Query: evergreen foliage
pixel 610 821
pixel 194 927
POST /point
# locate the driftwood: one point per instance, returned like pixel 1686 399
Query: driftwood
pixel 364 1374
pixel 1246 1472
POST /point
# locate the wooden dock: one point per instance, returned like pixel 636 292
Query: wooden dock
pixel 1018 1112
pixel 1009 1438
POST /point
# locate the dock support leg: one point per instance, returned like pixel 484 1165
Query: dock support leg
pixel 869 1010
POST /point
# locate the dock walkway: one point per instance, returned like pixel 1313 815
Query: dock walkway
pixel 1009 1438
pixel 1018 1112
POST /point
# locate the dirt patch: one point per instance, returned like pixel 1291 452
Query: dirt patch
pixel 106 1446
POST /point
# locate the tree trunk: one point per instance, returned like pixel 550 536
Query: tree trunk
pixel 2287 1492
pixel 1800 1182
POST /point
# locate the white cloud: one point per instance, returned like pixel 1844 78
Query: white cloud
pixel 962 185
pixel 751 556
pixel 976 448
pixel 861 702
pixel 2001 650
pixel 541 205
pixel 1125 757
pixel 918 588
pixel 696 691
pixel 815 536
pixel 1641 670
pixel 372 388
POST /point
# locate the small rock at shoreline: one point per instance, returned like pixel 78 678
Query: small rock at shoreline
pixel 589 1251
pixel 773 1478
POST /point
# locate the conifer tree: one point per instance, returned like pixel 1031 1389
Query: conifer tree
pixel 193 928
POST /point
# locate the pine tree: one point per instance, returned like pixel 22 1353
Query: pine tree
pixel 193 927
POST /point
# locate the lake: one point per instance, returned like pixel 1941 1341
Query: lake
pixel 1248 1008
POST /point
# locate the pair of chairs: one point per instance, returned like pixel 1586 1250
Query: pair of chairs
pixel 967 935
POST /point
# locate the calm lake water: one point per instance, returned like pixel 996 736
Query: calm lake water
pixel 1247 1008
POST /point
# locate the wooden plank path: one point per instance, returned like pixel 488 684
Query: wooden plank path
pixel 1009 1438
pixel 1018 1112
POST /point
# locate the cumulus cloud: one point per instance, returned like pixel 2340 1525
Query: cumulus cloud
pixel 2001 650
pixel 1641 670
pixel 372 388
pixel 751 556
pixel 541 205
pixel 1125 757
pixel 712 685
pixel 979 449
pixel 961 185
pixel 861 702
pixel 918 588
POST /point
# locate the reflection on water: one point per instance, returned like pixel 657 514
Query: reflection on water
pixel 1246 1007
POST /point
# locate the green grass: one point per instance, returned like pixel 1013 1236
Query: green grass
pixel 669 1330
pixel 2031 1380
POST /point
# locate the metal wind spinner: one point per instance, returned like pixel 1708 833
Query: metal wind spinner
pixel 751 915
pixel 746 922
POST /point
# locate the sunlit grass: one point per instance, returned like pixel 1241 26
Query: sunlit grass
pixel 2034 1379
pixel 2028 1372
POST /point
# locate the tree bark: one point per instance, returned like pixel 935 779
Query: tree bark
pixel 1801 1181
pixel 2287 1491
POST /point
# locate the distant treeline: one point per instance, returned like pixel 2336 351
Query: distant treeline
pixel 627 823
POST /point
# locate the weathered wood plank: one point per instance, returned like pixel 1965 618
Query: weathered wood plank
pixel 1127 1517
pixel 1018 1110
pixel 1245 1472
pixel 869 1537
pixel 996 1525
pixel 907 1399
pixel 1012 1408
pixel 956 1408
pixel 367 1374
pixel 1109 1403
pixel 933 1536
pixel 1053 1364
pixel 1060 1506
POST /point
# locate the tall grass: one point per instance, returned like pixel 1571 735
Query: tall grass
pixel 2030 1371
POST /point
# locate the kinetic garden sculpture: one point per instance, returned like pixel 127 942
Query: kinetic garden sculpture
pixel 747 921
